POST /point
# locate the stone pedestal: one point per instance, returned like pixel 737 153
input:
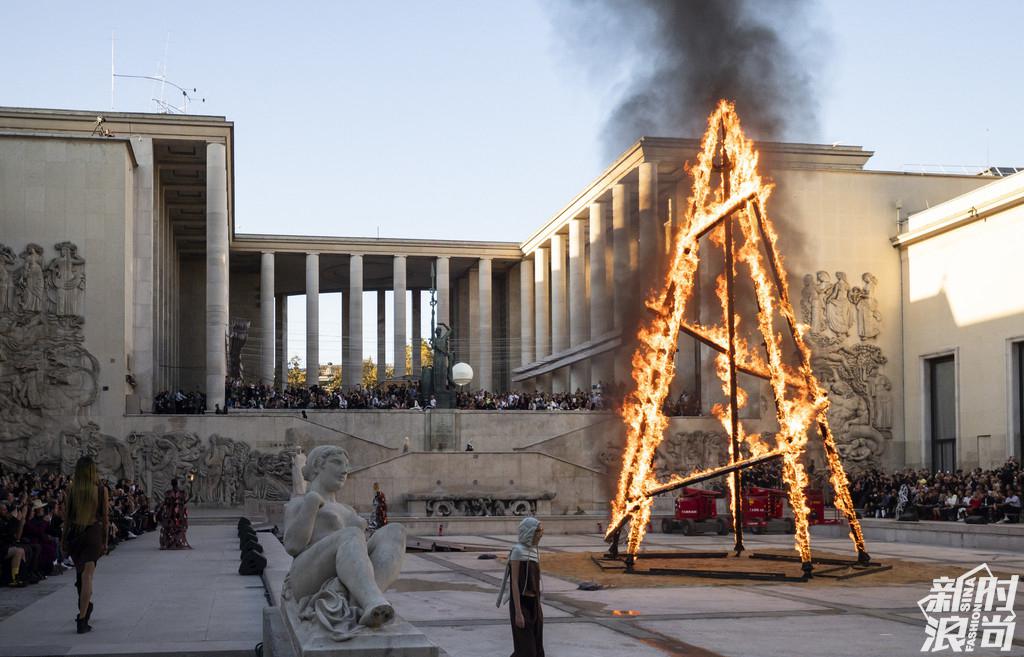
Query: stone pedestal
pixel 285 635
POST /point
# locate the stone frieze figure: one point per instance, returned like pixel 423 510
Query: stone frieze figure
pixel 821 291
pixel 31 282
pixel 838 309
pixel 65 276
pixel 866 308
pixel 7 262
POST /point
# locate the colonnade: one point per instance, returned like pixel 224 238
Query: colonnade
pixel 273 319
pixel 578 285
pixel 572 292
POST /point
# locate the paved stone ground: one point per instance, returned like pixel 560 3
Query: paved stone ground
pixel 193 602
pixel 146 602
pixel 451 597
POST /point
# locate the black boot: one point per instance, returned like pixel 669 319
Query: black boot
pixel 88 613
pixel 83 625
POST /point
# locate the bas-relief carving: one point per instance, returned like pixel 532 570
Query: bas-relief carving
pixel 480 504
pixel 48 379
pixel 844 322
pixel 226 471
pixel 686 451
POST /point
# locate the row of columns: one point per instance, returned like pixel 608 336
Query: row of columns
pixel 565 298
pixel 568 298
pixel 352 320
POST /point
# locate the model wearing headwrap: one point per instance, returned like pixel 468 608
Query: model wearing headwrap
pixel 521 586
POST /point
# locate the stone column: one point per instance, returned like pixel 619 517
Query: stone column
pixel 217 273
pixel 600 316
pixel 352 369
pixel 267 343
pixel 622 275
pixel 621 238
pixel 579 375
pixel 651 230
pixel 381 335
pixel 398 315
pixel 559 309
pixel 312 319
pixel 417 337
pixel 542 302
pixel 282 341
pixel 346 337
pixel 484 329
pixel 526 312
pixel 443 292
pixel 471 338
pixel 509 357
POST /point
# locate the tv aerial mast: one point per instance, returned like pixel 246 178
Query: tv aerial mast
pixel 165 106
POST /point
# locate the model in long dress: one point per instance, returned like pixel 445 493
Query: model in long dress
pixel 174 519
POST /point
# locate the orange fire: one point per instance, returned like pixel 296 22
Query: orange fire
pixel 800 402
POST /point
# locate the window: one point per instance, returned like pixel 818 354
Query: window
pixel 1017 407
pixel 941 373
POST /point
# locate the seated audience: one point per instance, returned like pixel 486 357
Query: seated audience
pixel 32 516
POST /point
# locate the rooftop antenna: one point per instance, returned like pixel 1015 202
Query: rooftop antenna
pixel 164 106
pixel 111 71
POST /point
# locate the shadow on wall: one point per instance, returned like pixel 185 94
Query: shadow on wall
pixel 982 350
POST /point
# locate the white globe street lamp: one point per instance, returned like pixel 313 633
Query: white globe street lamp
pixel 462 374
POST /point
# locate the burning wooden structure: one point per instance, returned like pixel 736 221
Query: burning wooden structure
pixel 732 215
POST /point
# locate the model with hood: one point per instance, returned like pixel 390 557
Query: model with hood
pixel 521 586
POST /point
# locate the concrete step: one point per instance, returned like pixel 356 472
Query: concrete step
pixel 1005 536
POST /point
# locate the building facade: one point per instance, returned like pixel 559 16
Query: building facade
pixel 122 274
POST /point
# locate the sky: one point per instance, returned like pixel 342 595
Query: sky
pixel 477 120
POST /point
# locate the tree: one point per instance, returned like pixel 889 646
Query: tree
pixel 426 356
pixel 296 373
pixel 370 372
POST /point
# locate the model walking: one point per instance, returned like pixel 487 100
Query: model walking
pixel 174 519
pixel 85 533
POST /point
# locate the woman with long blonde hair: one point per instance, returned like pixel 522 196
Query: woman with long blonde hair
pixel 85 533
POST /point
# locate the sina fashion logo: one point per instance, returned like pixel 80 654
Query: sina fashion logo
pixel 972 611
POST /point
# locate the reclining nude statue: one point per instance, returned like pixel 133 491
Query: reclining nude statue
pixel 337 577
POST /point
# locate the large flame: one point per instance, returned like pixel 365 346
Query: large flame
pixel 800 402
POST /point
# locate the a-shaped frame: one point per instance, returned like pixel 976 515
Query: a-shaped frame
pixel 800 402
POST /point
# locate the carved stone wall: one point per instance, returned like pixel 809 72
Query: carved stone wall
pixel 225 471
pixel 844 324
pixel 48 379
pixel 220 471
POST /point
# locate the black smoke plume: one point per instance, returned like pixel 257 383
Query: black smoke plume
pixel 677 58
pixel 680 57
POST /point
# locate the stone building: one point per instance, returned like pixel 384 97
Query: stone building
pixel 121 274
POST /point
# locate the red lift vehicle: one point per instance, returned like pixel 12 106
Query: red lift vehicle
pixel 762 511
pixel 816 502
pixel 696 513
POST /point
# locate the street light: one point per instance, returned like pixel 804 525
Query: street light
pixel 462 374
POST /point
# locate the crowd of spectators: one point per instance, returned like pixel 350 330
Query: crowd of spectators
pixel 180 402
pixel 600 397
pixel 387 396
pixel 481 400
pixel 32 517
pixel 987 495
pixel 982 495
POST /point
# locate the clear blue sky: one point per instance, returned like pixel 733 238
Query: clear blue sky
pixel 473 120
